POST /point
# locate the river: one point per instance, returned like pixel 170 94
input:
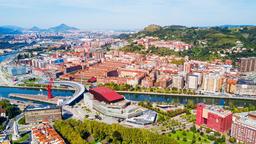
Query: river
pixel 5 91
pixel 6 56
pixel 186 99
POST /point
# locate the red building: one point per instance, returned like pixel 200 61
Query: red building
pixel 105 94
pixel 214 117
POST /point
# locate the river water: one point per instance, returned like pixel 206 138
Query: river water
pixel 186 99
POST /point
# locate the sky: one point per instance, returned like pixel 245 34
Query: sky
pixel 126 14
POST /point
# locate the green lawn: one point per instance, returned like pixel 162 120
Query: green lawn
pixel 22 139
pixel 184 137
pixel 189 117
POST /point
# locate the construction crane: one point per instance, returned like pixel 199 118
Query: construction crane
pixel 49 88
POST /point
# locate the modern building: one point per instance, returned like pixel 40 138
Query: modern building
pixel 38 63
pixel 44 133
pixel 200 77
pixel 212 83
pixel 17 70
pixel 213 117
pixel 110 103
pixel 248 64
pixel 244 127
pixel 148 117
pixel 42 113
pixel 192 82
pixel 178 82
pixel 246 87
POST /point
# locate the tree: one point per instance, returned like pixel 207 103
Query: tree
pixel 193 128
pixel 117 137
pixel 232 140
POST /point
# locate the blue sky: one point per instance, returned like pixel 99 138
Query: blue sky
pixel 126 14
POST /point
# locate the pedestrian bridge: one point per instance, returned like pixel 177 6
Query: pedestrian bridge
pixel 78 94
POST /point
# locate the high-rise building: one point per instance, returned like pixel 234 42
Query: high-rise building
pixel 192 82
pixel 187 67
pixel 244 127
pixel 200 77
pixel 214 117
pixel 178 82
pixel 248 64
pixel 212 82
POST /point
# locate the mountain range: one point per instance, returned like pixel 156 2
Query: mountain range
pixel 10 29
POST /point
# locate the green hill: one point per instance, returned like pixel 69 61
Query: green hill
pixel 208 43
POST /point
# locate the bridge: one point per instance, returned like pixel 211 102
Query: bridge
pixel 79 90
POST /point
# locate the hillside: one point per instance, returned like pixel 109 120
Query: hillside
pixel 6 30
pixel 212 42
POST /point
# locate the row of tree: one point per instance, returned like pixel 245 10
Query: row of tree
pixel 126 87
pixel 77 132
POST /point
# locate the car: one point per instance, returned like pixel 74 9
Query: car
pixel 98 117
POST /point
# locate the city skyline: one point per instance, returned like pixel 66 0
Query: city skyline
pixel 113 14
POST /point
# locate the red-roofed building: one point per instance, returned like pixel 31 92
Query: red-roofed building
pixel 105 94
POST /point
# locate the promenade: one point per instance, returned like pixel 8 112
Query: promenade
pixel 195 96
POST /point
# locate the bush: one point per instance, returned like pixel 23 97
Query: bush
pixel 232 140
pixel 22 121
pixel 208 130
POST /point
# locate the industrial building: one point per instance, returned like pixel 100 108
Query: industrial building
pixel 110 103
pixel 42 113
pixel 244 127
pixel 213 117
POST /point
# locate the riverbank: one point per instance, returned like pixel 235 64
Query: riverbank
pixel 29 87
pixel 186 95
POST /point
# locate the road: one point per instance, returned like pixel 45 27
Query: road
pixel 3 75
pixel 9 127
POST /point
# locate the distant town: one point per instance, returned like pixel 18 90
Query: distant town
pixel 64 85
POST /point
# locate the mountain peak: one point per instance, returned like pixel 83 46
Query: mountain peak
pixel 63 28
pixel 35 28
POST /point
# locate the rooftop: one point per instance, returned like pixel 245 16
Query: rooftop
pixel 218 110
pixel 246 119
pixel 40 107
pixel 107 94
pixel 44 133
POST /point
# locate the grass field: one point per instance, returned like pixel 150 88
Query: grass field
pixel 188 137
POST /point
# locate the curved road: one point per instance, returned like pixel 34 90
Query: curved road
pixel 79 90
